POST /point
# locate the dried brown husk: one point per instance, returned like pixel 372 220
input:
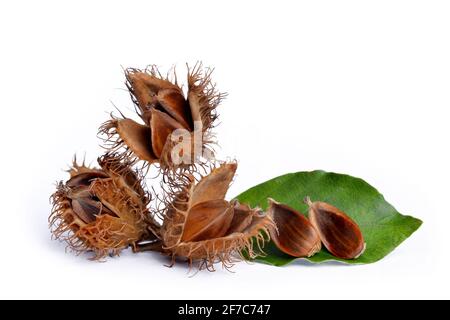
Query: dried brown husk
pixel 163 108
pixel 202 227
pixel 102 210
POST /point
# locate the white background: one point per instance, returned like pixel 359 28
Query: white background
pixel 347 86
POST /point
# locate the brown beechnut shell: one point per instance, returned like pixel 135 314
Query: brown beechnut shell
pixel 294 235
pixel 163 108
pixel 101 210
pixel 200 225
pixel 338 232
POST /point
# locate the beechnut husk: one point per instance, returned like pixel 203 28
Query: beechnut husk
pixel 108 208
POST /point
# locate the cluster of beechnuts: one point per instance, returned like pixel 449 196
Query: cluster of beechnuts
pixel 108 208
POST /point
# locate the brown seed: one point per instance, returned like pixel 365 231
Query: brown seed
pixel 86 209
pixel 176 105
pixel 208 220
pixel 162 125
pixel 296 236
pixel 338 232
pixel 242 217
pixel 85 178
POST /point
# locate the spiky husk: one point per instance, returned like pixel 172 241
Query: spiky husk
pixel 123 193
pixel 202 98
pixel 226 249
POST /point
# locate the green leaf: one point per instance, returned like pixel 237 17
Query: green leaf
pixel 383 227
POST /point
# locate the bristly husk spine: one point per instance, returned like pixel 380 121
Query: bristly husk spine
pixel 113 143
pixel 152 70
pixel 201 85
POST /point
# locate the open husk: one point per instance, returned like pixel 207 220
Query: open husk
pixel 175 129
pixel 102 210
pixel 202 227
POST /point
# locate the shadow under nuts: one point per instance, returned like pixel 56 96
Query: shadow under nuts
pixel 338 232
pixel 164 110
